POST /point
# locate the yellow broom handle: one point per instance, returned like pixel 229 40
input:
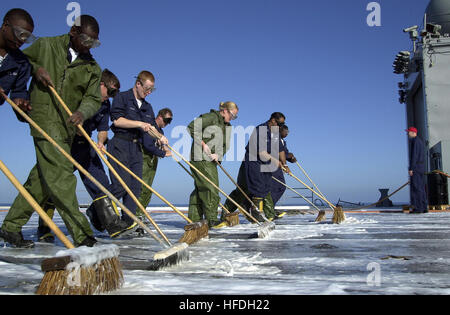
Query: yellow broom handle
pixel 318 195
pixel 214 185
pixel 147 185
pixel 296 192
pixel 306 174
pixel 36 206
pixel 158 136
pixel 187 171
pixel 81 169
pixel 127 189
pixel 236 184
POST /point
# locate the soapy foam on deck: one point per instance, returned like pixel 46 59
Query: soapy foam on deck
pixel 89 256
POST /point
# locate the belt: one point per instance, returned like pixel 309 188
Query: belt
pixel 126 137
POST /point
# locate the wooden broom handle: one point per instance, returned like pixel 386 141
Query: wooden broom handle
pixel 36 206
pixel 307 176
pixel 158 136
pixel 148 186
pixel 125 186
pixel 296 192
pixel 82 169
pixel 237 185
pixel 187 171
pixel 318 195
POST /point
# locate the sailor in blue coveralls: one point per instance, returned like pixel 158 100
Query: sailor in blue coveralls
pixel 255 174
pixel 132 117
pixel 84 154
pixel 419 200
pixel 15 69
pixel 277 190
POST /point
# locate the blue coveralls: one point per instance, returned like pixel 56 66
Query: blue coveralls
pixel 85 154
pixel 259 179
pixel 418 193
pixel 15 72
pixel 126 146
pixel 277 190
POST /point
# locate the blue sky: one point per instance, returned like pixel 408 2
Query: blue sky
pixel 318 62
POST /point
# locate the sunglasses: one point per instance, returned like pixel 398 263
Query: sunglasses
pixel 88 41
pixel 167 120
pixel 22 34
pixel 112 92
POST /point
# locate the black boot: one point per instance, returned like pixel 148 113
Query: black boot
pixel 108 216
pixel 15 239
pixel 93 217
pixel 89 241
pixel 258 215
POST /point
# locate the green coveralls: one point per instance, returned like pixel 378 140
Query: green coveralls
pixel 212 129
pixel 150 164
pixel 78 84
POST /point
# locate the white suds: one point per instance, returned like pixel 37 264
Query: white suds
pixel 89 256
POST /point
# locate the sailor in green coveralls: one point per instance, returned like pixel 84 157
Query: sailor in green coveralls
pixel 151 153
pixel 211 134
pixel 64 62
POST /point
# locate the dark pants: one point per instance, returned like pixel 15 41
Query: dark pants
pixel 276 189
pixel 419 199
pixel 258 180
pixel 128 153
pixel 84 154
pixel 238 197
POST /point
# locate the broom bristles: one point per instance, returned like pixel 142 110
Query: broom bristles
pixel 232 219
pixel 104 277
pixel 321 216
pixel 338 215
pixel 194 232
pixel 265 229
pixel 83 271
pixel 168 257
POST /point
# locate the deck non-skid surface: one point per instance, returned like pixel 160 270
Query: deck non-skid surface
pixel 370 253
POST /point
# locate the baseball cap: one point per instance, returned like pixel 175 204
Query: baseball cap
pixel 411 129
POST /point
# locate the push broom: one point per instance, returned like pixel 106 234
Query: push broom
pixel 309 178
pixel 264 229
pixel 232 219
pixel 111 168
pixel 238 187
pixel 81 271
pixel 338 213
pixel 166 257
pixel 193 231
pixel 321 215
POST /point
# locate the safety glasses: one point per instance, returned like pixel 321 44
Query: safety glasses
pixel 233 116
pixel 150 89
pixel 88 41
pixel 22 34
